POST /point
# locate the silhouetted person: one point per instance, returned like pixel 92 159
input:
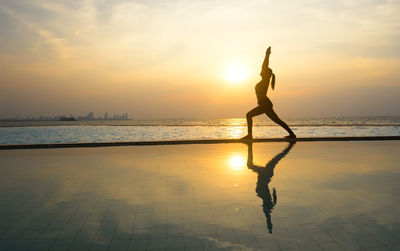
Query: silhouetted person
pixel 264 103
pixel 264 177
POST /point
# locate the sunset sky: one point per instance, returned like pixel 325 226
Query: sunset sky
pixel 172 59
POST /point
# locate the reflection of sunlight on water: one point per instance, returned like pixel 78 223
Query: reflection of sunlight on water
pixel 236 131
pixel 234 122
pixel 237 162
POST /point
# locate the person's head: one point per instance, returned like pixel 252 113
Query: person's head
pixel 267 74
pixel 269 226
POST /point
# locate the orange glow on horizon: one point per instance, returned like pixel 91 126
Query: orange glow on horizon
pixel 139 57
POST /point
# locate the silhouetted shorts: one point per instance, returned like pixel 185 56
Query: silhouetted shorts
pixel 265 103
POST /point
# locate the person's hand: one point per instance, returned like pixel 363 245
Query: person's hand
pixel 268 51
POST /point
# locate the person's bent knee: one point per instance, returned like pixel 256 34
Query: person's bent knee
pixel 248 115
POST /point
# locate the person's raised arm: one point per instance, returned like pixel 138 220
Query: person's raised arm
pixel 266 59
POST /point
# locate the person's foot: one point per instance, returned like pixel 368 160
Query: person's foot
pixel 247 137
pixel 291 136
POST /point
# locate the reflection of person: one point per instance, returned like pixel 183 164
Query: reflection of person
pixel 264 177
pixel 264 103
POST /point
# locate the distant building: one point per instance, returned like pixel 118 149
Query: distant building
pixel 105 115
pixel 90 115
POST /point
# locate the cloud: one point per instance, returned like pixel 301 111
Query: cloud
pixel 129 46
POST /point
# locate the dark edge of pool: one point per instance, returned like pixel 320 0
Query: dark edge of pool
pixel 184 142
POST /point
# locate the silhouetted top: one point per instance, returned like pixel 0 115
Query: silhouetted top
pixel 261 91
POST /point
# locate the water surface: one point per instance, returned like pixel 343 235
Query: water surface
pixel 328 195
pixel 28 132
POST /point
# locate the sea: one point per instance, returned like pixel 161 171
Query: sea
pixel 36 132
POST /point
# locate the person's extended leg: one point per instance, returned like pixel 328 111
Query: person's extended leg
pixel 249 116
pixel 274 117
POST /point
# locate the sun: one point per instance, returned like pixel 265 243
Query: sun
pixel 235 72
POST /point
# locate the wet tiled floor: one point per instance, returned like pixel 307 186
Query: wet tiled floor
pixel 265 196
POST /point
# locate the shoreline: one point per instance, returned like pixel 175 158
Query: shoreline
pixel 186 142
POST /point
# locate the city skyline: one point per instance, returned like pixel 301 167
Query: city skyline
pixel 89 116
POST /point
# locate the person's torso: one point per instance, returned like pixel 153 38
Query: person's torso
pixel 261 90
